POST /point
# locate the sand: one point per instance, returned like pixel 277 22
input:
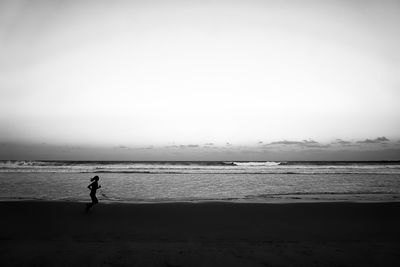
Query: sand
pixel 200 234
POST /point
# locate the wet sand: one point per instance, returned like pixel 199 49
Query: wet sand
pixel 200 234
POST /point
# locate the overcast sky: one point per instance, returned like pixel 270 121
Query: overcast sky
pixel 254 80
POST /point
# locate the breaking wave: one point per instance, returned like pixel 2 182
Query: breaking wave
pixel 204 167
pixel 256 163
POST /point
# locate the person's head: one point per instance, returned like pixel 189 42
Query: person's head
pixel 96 178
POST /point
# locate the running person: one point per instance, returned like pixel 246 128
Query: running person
pixel 94 185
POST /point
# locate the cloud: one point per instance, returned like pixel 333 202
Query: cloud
pixel 374 141
pixel 382 139
pixel 147 147
pixel 285 142
pixel 303 144
pixel 308 142
pixel 341 142
pixel 192 146
pixel 171 146
pixel 368 141
pixel 183 146
pixel 122 147
pixel 210 146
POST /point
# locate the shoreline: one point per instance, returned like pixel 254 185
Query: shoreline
pixel 200 234
pixel 286 199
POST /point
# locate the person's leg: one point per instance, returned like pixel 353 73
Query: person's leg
pixel 94 201
pixel 94 198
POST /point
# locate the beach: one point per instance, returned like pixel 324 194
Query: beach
pixel 45 233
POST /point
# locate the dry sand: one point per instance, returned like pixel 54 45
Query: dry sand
pixel 200 234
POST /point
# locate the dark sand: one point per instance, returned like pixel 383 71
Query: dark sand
pixel 202 234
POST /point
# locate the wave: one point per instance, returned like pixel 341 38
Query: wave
pixel 341 163
pixel 29 163
pixel 339 196
pixel 281 197
pixel 324 193
pixel 255 163
pixel 205 167
pixel 242 173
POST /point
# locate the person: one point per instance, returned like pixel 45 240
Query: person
pixel 93 186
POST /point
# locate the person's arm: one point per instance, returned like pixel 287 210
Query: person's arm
pixel 90 186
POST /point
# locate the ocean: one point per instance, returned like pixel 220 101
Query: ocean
pixel 264 181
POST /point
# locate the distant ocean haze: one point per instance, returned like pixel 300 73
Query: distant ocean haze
pixel 263 181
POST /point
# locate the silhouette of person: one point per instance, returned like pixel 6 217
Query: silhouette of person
pixel 94 185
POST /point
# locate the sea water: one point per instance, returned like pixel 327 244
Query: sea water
pixel 127 181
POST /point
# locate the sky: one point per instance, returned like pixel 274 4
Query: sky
pixel 200 80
